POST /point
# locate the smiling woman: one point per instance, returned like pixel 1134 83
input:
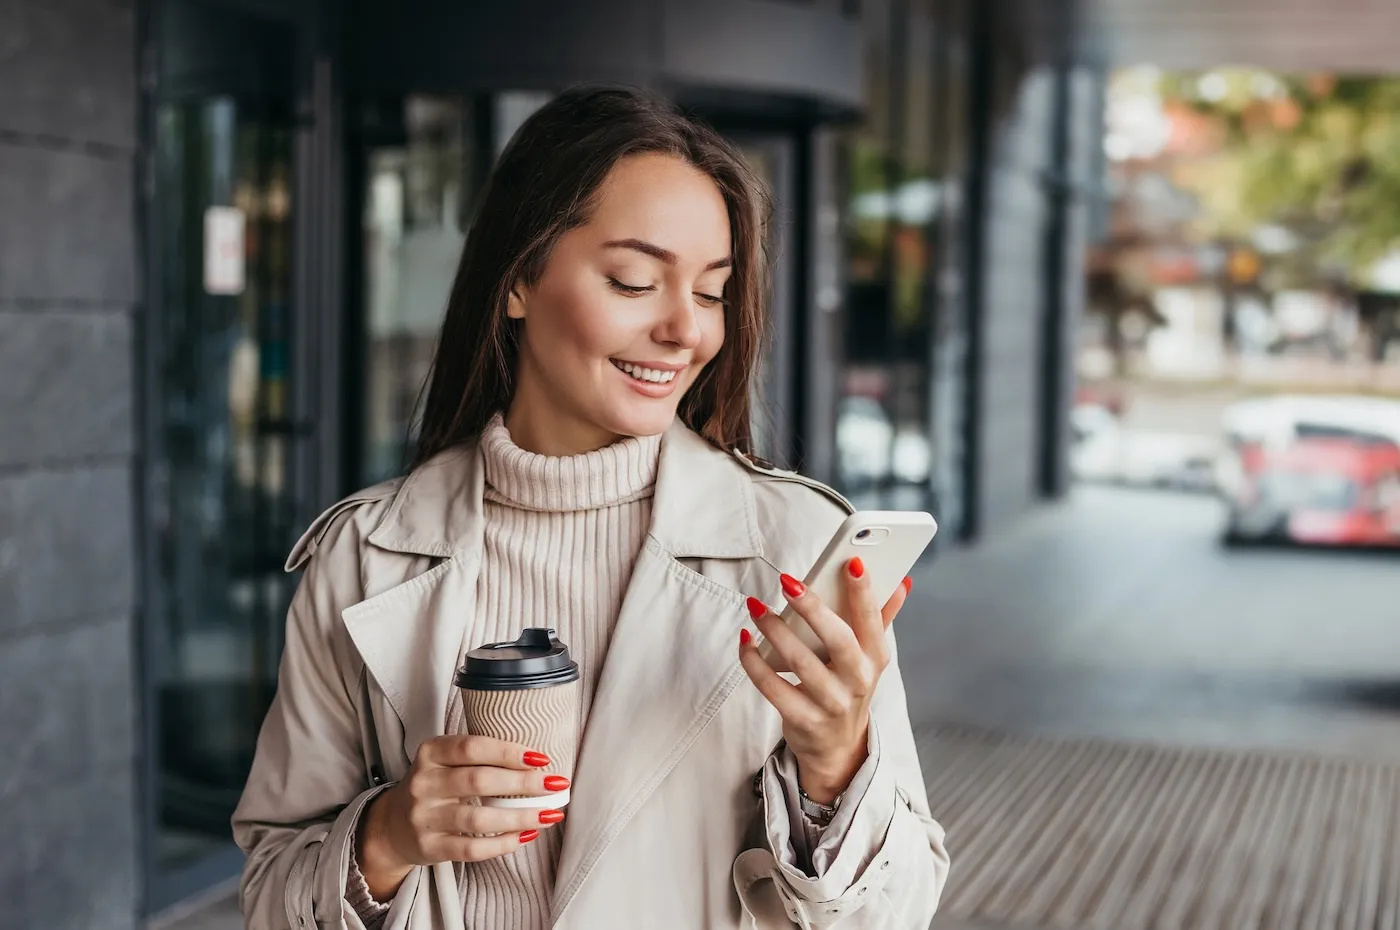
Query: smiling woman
pixel 627 312
pixel 578 470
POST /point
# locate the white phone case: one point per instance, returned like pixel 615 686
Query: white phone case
pixel 888 542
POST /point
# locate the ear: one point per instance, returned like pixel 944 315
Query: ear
pixel 515 305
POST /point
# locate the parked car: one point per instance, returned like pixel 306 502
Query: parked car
pixel 1317 491
pixel 1278 422
pixel 1103 450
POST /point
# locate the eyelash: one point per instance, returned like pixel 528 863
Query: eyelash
pixel 632 291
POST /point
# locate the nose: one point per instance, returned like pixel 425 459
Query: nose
pixel 681 326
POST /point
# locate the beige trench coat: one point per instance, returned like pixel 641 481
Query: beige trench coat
pixel 668 826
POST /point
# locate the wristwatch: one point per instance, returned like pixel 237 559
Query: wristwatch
pixel 817 813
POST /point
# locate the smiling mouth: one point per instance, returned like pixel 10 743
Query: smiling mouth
pixel 650 375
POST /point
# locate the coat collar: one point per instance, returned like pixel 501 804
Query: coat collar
pixel 703 505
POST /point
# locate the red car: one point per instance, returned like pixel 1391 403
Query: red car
pixel 1322 491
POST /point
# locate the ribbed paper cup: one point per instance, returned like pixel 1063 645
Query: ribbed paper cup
pixel 545 719
pixel 525 692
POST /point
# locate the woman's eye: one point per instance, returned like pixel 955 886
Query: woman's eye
pixel 632 289
pixel 710 299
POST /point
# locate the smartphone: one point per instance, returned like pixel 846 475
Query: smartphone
pixel 888 542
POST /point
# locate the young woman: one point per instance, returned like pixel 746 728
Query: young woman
pixel 582 465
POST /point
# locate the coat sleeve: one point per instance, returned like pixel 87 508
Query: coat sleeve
pixel 880 864
pixel 297 816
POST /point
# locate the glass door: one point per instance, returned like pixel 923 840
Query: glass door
pixel 219 506
pixel 423 160
pixel 414 218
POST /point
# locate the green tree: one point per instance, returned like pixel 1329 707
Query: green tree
pixel 1317 154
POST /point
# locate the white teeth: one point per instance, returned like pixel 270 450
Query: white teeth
pixel 653 375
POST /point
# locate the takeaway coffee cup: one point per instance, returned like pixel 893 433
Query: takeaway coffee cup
pixel 525 692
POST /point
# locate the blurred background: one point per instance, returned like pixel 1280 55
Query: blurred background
pixel 1112 287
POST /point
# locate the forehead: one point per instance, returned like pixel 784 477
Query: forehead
pixel 665 201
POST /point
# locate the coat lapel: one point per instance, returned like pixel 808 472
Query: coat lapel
pixel 411 638
pixel 673 657
pixel 410 634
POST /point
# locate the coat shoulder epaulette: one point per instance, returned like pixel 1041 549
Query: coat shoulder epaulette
pixel 765 469
pixel 316 532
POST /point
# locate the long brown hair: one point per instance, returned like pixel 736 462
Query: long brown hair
pixel 544 185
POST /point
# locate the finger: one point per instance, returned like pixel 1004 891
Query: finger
pixel 456 817
pixel 896 601
pixel 865 619
pixel 481 848
pixel 816 678
pixel 789 701
pixel 465 749
pixel 843 649
pixel 487 781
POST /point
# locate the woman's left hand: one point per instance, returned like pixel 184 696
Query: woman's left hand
pixel 826 717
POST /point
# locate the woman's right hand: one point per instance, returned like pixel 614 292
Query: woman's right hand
pixel 422 819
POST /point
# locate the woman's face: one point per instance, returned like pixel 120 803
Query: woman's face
pixel 627 313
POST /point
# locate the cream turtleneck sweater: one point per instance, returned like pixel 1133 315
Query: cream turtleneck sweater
pixel 561 537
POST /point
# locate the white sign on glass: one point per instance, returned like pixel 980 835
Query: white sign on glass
pixel 223 251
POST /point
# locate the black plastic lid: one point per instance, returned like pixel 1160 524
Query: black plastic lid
pixel 536 660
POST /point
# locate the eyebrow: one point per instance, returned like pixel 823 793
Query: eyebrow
pixel 657 252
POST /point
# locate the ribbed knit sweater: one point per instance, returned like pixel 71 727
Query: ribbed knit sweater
pixel 561 537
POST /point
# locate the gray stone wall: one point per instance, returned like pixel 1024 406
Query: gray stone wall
pixel 68 286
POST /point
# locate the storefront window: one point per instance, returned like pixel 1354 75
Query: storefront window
pixel 414 226
pixel 425 161
pixel 898 424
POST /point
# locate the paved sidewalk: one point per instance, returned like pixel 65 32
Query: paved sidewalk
pixel 1117 614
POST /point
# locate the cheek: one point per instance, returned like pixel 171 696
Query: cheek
pixel 712 335
pixel 594 328
pixel 573 323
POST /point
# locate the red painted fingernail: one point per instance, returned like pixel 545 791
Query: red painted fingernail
pixel 551 816
pixel 908 584
pixel 791 586
pixel 744 637
pixel 556 783
pixel 757 608
pixel 529 836
pixel 536 759
pixel 856 567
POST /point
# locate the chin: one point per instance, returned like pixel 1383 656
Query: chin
pixel 642 422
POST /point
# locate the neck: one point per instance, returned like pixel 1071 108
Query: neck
pixel 536 428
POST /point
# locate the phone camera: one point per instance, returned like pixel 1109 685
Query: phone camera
pixel 863 534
